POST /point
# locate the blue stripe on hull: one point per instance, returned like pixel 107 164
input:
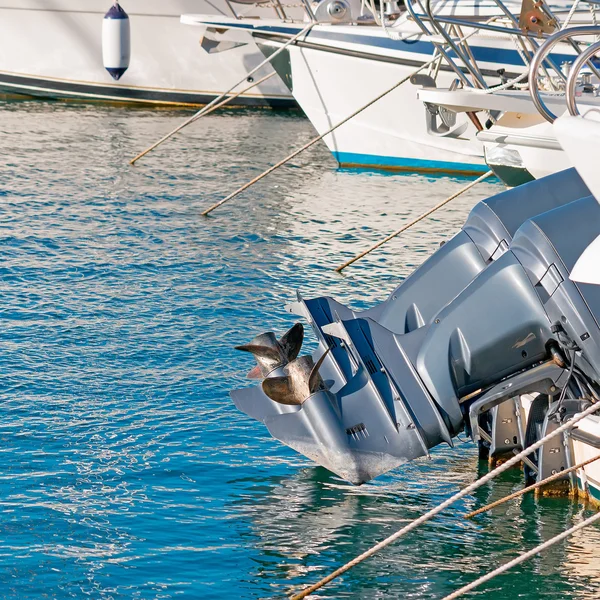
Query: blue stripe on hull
pixel 346 159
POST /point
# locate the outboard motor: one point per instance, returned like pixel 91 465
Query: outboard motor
pixel 484 319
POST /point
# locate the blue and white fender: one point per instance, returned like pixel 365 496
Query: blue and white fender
pixel 580 139
pixel 116 41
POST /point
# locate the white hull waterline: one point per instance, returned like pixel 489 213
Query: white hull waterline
pixel 54 50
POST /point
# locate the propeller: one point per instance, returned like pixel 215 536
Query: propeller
pixel 271 353
pixel 302 380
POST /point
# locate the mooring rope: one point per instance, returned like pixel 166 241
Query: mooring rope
pixel 532 487
pixel 414 221
pixel 206 110
pixel 314 140
pixel 326 133
pixel 440 507
pixel 523 557
pixel 222 99
pixel 571 14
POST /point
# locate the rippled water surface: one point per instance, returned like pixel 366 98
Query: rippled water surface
pixel 126 469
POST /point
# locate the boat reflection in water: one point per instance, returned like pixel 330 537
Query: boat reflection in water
pixel 304 526
pixel 53 49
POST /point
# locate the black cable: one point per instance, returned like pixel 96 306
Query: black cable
pixel 575 375
pixel 563 394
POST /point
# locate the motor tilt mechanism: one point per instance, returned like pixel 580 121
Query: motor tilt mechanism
pixel 482 320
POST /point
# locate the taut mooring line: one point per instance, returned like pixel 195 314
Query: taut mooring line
pixel 440 507
pixel 414 221
pixel 523 557
pixel 221 100
pixel 532 487
pixel 315 140
pixel 206 110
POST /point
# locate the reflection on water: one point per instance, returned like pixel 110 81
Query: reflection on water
pixel 127 472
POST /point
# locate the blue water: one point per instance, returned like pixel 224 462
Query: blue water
pixel 126 470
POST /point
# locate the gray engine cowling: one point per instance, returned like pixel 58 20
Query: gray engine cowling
pixel 399 378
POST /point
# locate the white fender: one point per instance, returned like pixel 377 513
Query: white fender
pixel 587 267
pixel 116 41
pixel 580 139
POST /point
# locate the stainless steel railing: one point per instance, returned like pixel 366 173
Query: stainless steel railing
pixel 541 55
pixel 573 78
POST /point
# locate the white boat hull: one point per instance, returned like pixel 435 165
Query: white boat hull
pixel 54 49
pixel 521 145
pixel 337 70
pixel 391 134
pixel 528 144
